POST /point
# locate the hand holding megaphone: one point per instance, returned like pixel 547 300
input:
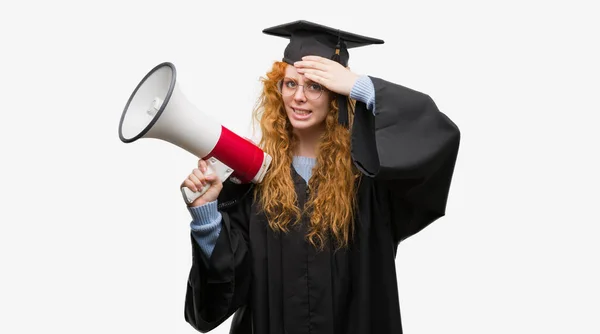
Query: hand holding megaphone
pixel 204 182
pixel 191 188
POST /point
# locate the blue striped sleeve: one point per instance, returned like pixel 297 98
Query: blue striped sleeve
pixel 364 91
pixel 206 226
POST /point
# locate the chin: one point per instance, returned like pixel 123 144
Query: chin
pixel 304 129
pixel 303 125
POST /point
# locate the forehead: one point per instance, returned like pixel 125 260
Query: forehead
pixel 290 71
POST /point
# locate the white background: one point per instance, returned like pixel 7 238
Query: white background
pixel 94 235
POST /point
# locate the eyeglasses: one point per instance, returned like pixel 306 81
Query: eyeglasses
pixel 288 87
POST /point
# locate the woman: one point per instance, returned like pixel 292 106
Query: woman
pixel 311 249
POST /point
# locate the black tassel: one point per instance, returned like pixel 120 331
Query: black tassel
pixel 343 111
pixel 342 100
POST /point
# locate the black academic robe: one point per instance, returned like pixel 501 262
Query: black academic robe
pixel 278 284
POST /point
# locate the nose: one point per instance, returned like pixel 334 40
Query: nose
pixel 299 94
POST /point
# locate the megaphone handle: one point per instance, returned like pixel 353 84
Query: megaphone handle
pixel 214 166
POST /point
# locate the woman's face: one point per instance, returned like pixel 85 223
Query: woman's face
pixel 306 103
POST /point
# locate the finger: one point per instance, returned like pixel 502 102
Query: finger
pixel 190 185
pixel 319 73
pixel 202 165
pixel 199 181
pixel 317 78
pixel 310 64
pixel 211 178
pixel 201 176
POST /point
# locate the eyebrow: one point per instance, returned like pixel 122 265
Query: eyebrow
pixel 307 81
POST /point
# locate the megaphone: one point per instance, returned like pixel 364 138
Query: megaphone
pixel 158 109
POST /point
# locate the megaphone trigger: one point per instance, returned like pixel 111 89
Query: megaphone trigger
pixel 214 166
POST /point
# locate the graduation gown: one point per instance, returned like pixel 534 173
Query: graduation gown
pixel 276 283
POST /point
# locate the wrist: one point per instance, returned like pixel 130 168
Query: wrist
pixel 353 78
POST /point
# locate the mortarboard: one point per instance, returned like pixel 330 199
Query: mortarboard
pixel 308 38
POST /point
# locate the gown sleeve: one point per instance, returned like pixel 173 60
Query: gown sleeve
pixel 410 148
pixel 218 288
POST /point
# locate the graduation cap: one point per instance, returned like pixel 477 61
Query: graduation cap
pixel 308 38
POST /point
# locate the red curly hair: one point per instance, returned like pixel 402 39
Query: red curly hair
pixel 334 180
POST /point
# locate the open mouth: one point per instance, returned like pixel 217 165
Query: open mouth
pixel 302 112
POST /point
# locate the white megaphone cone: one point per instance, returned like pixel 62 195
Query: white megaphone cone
pixel 157 109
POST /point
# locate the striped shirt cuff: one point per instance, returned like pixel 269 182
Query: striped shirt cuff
pixel 206 226
pixel 364 91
